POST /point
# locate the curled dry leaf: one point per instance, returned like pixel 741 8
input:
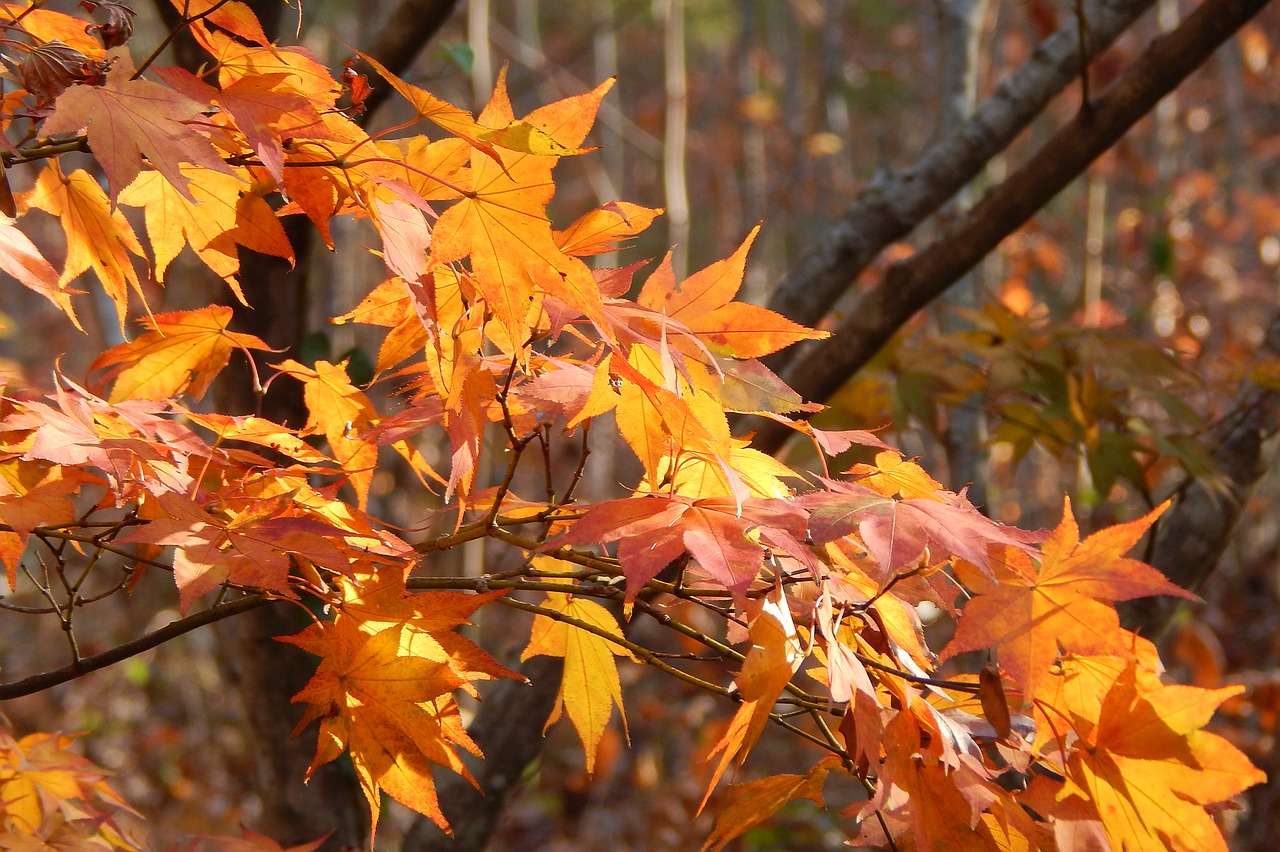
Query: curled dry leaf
pixel 53 67
pixel 118 28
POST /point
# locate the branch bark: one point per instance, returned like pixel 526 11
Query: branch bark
pixel 508 729
pixel 120 653
pixel 896 203
pixel 1196 530
pixel 911 284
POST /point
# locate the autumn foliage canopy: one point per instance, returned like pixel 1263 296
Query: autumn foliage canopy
pixel 1041 723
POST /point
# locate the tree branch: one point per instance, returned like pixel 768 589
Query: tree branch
pixel 49 679
pixel 911 284
pixel 1196 530
pixel 896 203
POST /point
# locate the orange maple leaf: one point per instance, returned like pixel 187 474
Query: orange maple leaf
pixel 389 662
pixel 43 783
pixel 97 236
pixel 502 223
pixel 182 351
pixel 1149 769
pixel 390 710
pixel 703 302
pixel 1031 615
pixel 756 801
pixel 600 230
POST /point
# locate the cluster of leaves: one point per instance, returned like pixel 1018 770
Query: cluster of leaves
pixel 500 339
pixel 1114 401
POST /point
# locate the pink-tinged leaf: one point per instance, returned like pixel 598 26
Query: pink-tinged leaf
pixel 258 104
pixel 752 388
pixel 614 283
pixel 405 238
pixel 20 258
pixel 833 443
pixel 130 119
pixel 898 532
pixel 615 519
pixel 718 541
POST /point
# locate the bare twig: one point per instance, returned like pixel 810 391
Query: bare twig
pixel 46 680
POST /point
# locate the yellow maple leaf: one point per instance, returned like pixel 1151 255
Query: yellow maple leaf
pixel 590 688
pixel 1150 771
pixel 225 214
pixel 894 476
pixel 98 237
pixel 181 351
pixel 342 413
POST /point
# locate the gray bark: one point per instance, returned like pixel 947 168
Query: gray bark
pixel 961 22
pixel 911 284
pixel 1194 533
pixel 508 729
pixel 896 203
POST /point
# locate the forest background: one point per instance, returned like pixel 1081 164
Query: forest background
pixel 1100 350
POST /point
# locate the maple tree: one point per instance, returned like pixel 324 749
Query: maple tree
pixel 501 341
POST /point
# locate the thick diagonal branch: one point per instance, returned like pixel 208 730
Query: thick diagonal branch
pixel 894 205
pixel 911 284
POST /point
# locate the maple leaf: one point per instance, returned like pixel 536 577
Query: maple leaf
pixel 390 305
pixel 1030 615
pixel 389 710
pixel 756 801
pixel 181 351
pixel 260 105
pixel 378 600
pixel 749 387
pixel 341 412
pixel 899 533
pixel 256 430
pixel 703 302
pixel 657 421
pixel 46 25
pixel 589 688
pixel 654 531
pixel 33 495
pixel 502 223
pixel 234 17
pixel 44 785
pixel 894 476
pixel 20 258
pixel 253 548
pixel 600 230
pixel 97 236
pixel 769 664
pixel 219 212
pixel 130 119
pixel 1150 771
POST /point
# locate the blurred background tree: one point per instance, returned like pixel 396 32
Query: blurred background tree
pixel 1120 345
